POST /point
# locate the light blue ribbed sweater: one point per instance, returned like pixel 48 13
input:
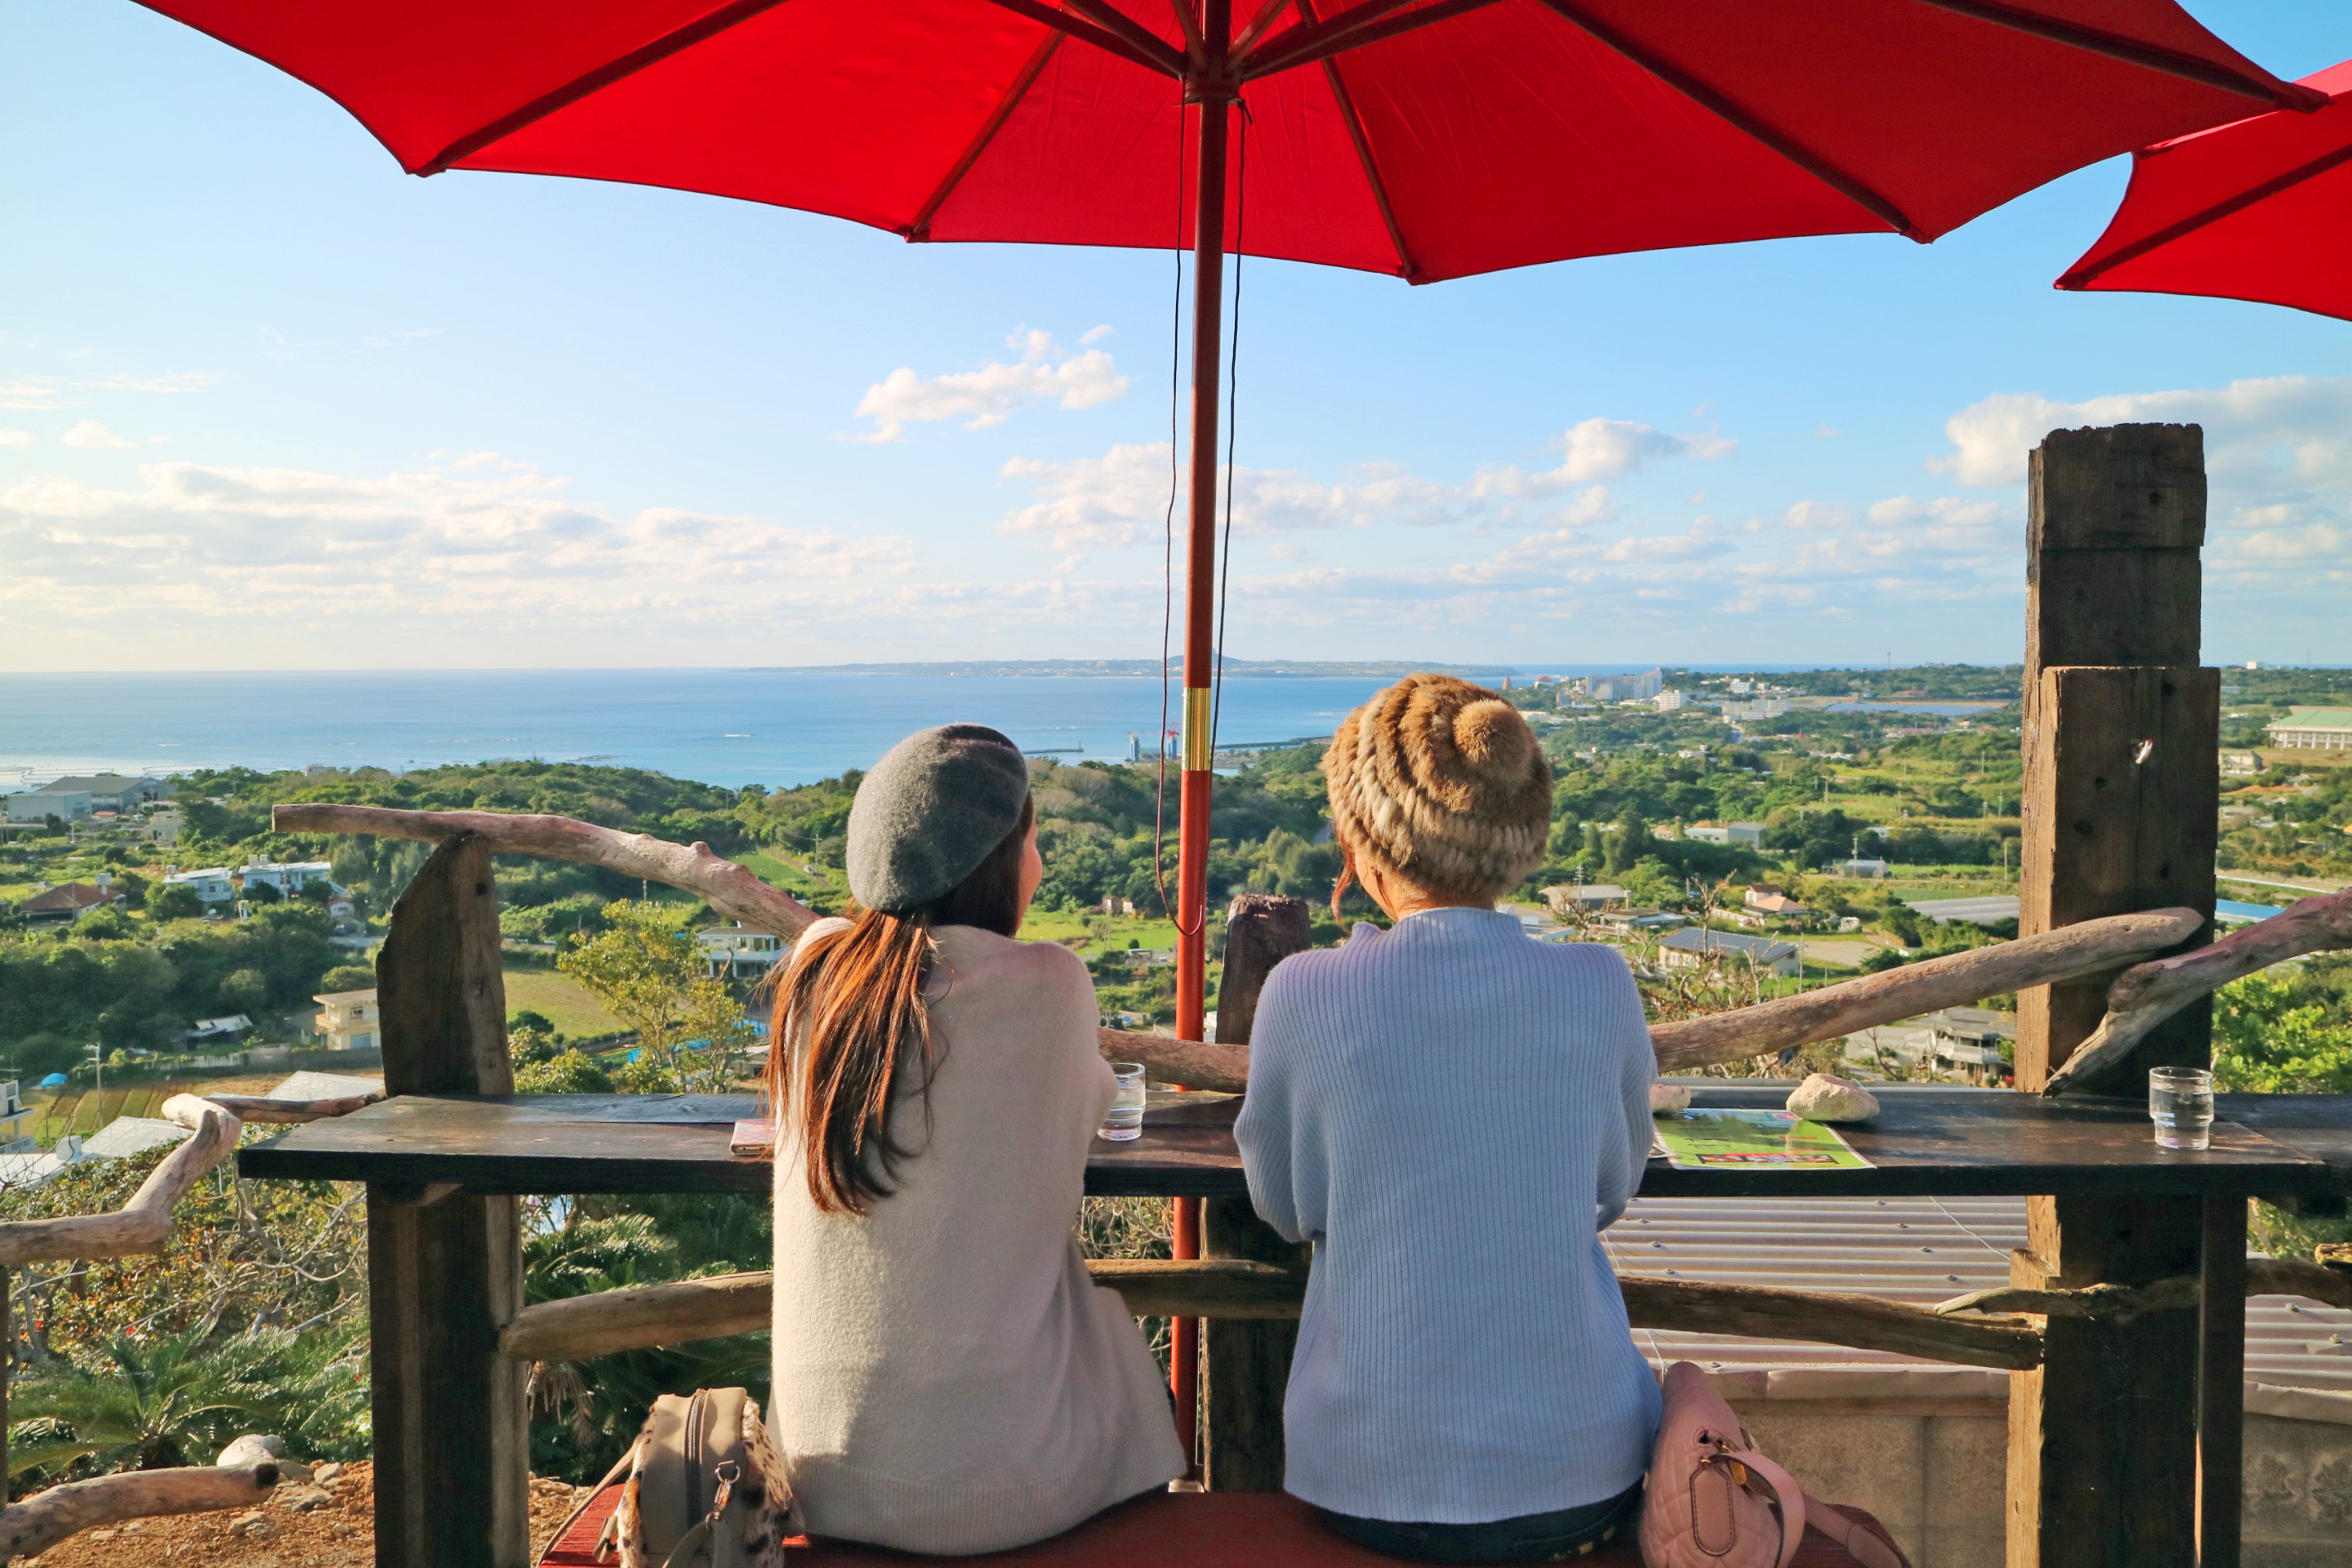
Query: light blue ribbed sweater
pixel 1452 1112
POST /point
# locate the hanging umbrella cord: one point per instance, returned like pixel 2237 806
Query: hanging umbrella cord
pixel 1168 535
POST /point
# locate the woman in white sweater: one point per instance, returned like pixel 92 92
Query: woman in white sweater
pixel 948 1379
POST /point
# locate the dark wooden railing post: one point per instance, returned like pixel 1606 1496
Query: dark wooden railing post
pixel 445 1268
pixel 1248 1363
pixel 2122 734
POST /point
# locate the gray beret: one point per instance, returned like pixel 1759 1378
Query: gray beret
pixel 929 813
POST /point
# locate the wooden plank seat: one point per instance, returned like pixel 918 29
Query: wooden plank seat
pixel 1160 1530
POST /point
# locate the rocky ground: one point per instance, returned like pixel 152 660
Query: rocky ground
pixel 322 1524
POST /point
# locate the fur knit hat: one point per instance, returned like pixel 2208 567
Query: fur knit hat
pixel 1442 781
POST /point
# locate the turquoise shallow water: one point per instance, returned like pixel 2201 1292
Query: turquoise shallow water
pixel 723 727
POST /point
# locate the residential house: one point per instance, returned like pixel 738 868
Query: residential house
pixel 2314 729
pixel 2240 764
pixel 289 876
pixel 1587 897
pixel 1693 947
pixel 1745 834
pixel 1632 920
pixel 349 1020
pixel 223 1028
pixel 212 884
pixel 736 949
pixel 1955 1042
pixel 163 826
pixel 72 901
pixel 1772 903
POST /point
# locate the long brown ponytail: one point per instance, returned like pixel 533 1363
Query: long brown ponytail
pixel 850 1025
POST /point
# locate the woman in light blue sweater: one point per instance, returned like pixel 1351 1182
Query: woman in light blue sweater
pixel 1451 1113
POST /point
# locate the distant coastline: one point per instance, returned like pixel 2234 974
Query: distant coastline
pixel 1147 668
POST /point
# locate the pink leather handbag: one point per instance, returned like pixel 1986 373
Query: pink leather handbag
pixel 1715 1502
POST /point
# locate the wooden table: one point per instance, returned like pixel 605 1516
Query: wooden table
pixel 1960 1142
pixel 436 1323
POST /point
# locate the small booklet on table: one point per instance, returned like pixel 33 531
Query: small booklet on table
pixel 751 1139
pixel 1700 1140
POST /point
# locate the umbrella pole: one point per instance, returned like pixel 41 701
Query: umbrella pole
pixel 1214 99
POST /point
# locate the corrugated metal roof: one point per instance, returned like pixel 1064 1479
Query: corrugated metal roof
pixel 1918 1251
pixel 128 1135
pixel 309 1085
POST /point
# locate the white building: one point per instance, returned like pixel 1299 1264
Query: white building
pixel 1625 688
pixel 212 884
pixel 1747 835
pixel 349 1020
pixel 737 950
pixel 1762 708
pixel 1957 1042
pixel 2314 729
pixel 289 876
pixel 1668 702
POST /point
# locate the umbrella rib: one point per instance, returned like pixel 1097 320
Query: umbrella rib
pixel 2133 51
pixel 1738 116
pixel 1367 24
pixel 921 228
pixel 1196 47
pixel 2080 275
pixel 1268 15
pixel 707 26
pixel 1406 268
pixel 1145 49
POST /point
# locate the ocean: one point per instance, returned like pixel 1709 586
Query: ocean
pixel 727 727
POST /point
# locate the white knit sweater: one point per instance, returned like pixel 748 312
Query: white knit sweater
pixel 1451 1113
pixel 946 1377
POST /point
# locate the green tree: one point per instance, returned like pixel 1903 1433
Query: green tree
pixel 562 1072
pixel 174 902
pixel 2265 1041
pixel 260 893
pixel 246 990
pixel 348 977
pixel 643 967
pixel 150 1403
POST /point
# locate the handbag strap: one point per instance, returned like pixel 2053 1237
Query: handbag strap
pixel 1788 1498
pixel 1861 1543
pixel 618 1469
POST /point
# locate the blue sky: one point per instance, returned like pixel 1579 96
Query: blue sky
pixel 266 402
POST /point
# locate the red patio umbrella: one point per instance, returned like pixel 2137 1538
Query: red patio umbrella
pixel 2261 210
pixel 1429 139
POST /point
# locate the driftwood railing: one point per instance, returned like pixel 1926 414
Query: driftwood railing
pixel 2142 997
pixel 143 1224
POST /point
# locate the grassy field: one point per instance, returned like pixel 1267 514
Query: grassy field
pixel 789 876
pixel 566 1005
pixel 77 1111
pixel 1097 932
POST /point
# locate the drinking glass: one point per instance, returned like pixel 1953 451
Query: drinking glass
pixel 1124 1120
pixel 2180 1103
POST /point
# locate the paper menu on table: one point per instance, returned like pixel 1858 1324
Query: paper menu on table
pixel 1752 1141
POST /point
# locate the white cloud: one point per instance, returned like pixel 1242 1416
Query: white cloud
pixel 996 390
pixel 15 437
pixel 36 393
pixel 90 435
pixel 408 556
pixel 1961 511
pixel 1815 516
pixel 1122 498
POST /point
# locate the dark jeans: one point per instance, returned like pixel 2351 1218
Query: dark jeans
pixel 1557 1537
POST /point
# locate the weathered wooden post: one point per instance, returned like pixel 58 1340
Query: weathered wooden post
pixel 1248 1361
pixel 445 1268
pixel 2122 736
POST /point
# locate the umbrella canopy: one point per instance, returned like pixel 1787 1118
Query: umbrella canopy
pixel 1428 140
pixel 2257 210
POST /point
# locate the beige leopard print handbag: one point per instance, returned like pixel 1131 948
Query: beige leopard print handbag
pixel 703 1489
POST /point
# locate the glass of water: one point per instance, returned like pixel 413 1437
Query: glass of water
pixel 2180 1103
pixel 1124 1120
